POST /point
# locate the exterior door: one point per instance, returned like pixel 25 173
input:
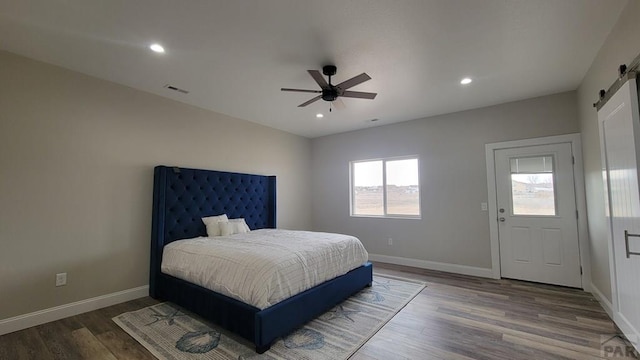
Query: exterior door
pixel 620 139
pixel 537 218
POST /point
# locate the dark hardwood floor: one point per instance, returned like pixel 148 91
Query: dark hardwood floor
pixel 455 317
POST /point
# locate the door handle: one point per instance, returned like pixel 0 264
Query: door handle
pixel 626 243
pixel 501 219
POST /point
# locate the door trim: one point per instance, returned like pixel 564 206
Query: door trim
pixel 578 178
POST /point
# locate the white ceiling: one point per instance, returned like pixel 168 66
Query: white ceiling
pixel 234 56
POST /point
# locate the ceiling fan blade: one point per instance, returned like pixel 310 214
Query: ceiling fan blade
pixel 302 90
pixel 310 101
pixel 353 81
pixel 315 74
pixel 338 104
pixel 359 94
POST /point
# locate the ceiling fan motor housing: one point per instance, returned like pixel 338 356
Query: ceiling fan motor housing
pixel 329 94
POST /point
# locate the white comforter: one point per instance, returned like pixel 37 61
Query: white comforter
pixel 263 267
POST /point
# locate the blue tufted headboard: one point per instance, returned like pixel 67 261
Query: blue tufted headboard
pixel 181 197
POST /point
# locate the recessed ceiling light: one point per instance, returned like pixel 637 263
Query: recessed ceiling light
pixel 157 48
pixel 466 81
pixel 319 116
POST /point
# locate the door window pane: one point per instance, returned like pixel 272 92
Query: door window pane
pixel 368 197
pixel 403 190
pixel 532 186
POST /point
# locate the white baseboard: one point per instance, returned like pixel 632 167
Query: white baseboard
pixel 21 322
pixel 433 265
pixel 606 304
pixel 629 331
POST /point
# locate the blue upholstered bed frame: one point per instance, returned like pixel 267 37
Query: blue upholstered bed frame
pixel 181 197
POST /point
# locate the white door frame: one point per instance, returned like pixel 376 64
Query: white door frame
pixel 578 176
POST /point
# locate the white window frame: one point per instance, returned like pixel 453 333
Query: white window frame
pixel 384 188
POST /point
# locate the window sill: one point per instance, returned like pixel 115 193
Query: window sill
pixel 405 217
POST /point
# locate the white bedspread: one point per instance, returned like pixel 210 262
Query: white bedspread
pixel 263 267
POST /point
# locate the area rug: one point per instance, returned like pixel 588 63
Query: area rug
pixel 171 333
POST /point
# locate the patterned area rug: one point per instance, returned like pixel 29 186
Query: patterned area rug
pixel 170 332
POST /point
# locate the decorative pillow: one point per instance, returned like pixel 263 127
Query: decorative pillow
pixel 213 224
pixel 245 227
pixel 227 228
pixel 234 226
pixel 241 225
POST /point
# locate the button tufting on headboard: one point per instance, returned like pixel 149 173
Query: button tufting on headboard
pixel 190 194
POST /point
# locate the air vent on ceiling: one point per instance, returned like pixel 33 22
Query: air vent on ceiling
pixel 171 87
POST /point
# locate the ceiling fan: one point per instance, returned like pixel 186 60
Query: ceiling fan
pixel 331 92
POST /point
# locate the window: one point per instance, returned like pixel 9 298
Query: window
pixel 532 186
pixel 385 188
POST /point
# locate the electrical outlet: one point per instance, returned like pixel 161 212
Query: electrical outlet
pixel 390 241
pixel 61 279
pixel 483 206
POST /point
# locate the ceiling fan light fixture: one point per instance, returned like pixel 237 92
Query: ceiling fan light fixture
pixel 157 48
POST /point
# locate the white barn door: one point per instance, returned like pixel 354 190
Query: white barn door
pixel 620 145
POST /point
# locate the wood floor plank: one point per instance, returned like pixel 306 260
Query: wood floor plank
pixel 31 346
pixel 57 338
pixel 7 349
pixel 89 346
pixel 591 354
pixel 23 345
pixel 598 327
pixel 97 322
pixel 388 346
pixel 123 346
pixel 606 324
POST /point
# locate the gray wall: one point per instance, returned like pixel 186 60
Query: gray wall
pixel 621 47
pixel 76 171
pixel 453 176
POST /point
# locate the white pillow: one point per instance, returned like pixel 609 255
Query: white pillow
pixel 234 226
pixel 213 224
pixel 241 225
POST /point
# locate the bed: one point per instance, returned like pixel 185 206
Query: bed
pixel 181 197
